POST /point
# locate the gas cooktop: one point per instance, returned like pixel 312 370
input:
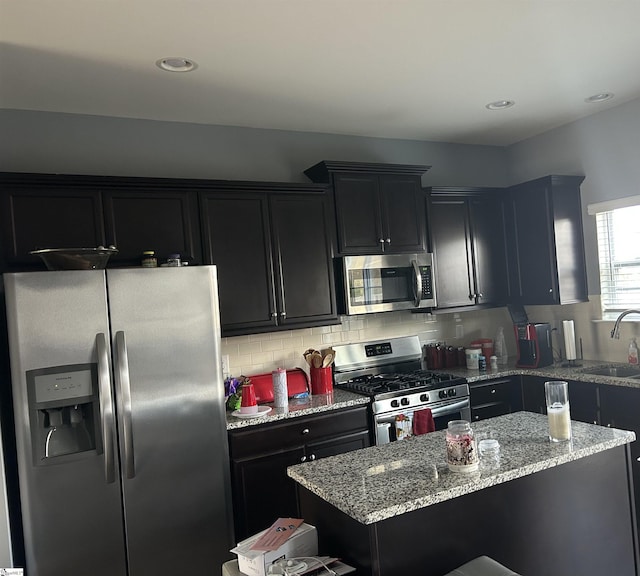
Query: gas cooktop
pixel 375 385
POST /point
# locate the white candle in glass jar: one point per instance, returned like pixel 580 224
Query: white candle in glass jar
pixel 559 422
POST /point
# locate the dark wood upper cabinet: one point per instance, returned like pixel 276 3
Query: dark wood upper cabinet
pixel 272 246
pixel 547 243
pixel 237 240
pixel 468 241
pixel 165 221
pixel 47 211
pixel 378 207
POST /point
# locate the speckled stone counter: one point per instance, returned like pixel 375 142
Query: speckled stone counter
pixel 417 470
pixel 552 509
pixel 301 407
pixel 555 372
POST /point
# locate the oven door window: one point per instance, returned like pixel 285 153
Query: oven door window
pixel 398 425
pixel 380 285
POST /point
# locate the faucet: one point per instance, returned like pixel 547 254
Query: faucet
pixel 616 327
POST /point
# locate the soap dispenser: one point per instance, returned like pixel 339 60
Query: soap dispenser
pixel 633 352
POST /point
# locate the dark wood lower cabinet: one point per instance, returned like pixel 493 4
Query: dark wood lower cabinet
pixel 495 397
pixel 260 455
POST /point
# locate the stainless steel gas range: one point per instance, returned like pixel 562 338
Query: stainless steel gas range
pixel 390 372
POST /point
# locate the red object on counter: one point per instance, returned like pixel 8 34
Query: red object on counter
pixel 423 422
pixel 321 380
pixel 297 383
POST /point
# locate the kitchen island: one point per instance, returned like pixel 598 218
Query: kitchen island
pixel 552 509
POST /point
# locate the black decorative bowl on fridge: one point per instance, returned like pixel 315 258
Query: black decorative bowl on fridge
pixel 76 258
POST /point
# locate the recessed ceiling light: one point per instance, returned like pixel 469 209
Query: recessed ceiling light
pixel 599 97
pixel 176 64
pixel 500 104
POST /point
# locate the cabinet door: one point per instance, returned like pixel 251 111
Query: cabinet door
pixel 237 240
pixel 533 228
pixel 262 491
pixel 402 217
pixel 339 445
pixel 451 244
pixel 302 257
pixel 533 399
pixel 49 214
pixel 489 249
pixel 620 408
pixel 163 221
pixel 358 213
pixel 583 398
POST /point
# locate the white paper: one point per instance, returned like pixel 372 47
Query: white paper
pixel 569 339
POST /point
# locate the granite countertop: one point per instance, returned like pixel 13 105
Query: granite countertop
pixel 557 372
pixel 392 479
pixel 301 407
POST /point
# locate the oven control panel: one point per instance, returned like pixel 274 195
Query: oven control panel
pixel 378 349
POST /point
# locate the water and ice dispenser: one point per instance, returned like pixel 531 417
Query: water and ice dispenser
pixel 64 411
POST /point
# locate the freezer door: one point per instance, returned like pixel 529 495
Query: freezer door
pixel 71 502
pixel 171 420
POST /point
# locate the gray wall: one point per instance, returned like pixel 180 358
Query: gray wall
pixel 604 147
pixel 76 144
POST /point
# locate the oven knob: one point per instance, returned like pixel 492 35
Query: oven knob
pixel 451 392
pixel 442 394
pixel 424 398
pixel 405 401
pixel 394 404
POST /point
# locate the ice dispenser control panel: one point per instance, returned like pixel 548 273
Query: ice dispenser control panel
pixel 64 412
pixel 63 386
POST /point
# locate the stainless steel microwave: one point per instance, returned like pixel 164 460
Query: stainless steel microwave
pixel 381 283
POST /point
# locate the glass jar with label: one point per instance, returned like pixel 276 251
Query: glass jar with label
pixel 149 259
pixel 462 454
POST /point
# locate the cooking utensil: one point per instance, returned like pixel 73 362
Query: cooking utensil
pixel 307 354
pixel 327 360
pixel 316 359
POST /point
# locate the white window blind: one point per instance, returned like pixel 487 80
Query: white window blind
pixel 619 256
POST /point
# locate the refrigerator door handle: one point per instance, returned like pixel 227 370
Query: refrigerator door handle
pixel 123 389
pixel 106 408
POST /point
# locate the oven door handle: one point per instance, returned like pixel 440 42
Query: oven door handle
pixel 452 407
pixel 417 283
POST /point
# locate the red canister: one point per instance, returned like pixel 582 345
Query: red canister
pixel 321 380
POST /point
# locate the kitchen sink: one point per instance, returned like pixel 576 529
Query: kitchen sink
pixel 614 370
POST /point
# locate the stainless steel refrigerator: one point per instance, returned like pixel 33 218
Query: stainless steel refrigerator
pixel 120 427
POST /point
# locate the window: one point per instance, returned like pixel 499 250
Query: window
pixel 619 258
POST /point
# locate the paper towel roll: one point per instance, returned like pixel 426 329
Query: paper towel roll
pixel 569 339
pixel 280 396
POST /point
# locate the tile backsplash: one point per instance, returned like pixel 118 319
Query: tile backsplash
pixel 258 353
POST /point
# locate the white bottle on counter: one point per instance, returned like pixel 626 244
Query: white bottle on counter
pixel 280 391
pixel 500 347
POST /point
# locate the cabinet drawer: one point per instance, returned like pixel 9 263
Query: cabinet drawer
pixel 485 411
pixel 491 393
pixel 279 436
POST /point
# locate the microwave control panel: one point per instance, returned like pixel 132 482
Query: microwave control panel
pixel 427 283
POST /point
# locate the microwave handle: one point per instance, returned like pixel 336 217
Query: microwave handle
pixel 417 283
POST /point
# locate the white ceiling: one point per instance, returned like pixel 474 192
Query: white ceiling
pixel 415 69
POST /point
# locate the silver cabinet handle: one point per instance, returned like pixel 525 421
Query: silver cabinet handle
pixel 388 240
pixel 106 408
pixel 305 431
pixel 123 388
pixel 283 314
pixel 303 459
pixel 550 290
pixel 312 457
pixel 493 391
pixel 472 296
pixel 417 283
pixel 274 314
pixel 479 295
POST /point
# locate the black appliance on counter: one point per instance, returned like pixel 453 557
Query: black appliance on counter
pixel 533 339
pixel 390 372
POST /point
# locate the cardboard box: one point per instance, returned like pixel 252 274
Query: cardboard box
pixel 303 542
